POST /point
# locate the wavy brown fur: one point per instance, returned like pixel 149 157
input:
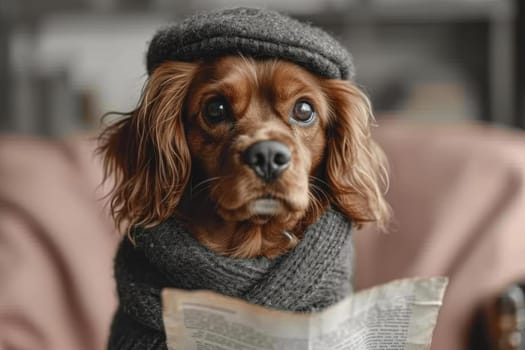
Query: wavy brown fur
pixel 147 154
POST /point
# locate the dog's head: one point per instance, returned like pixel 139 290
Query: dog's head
pixel 244 150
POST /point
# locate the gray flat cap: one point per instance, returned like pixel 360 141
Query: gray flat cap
pixel 252 32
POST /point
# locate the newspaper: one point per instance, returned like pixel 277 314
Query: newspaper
pixel 398 315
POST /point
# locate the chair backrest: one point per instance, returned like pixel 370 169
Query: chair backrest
pixel 458 195
pixel 56 246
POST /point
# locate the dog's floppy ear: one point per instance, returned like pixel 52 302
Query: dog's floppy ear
pixel 355 165
pixel 146 154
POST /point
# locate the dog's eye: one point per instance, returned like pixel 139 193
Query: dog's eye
pixel 303 113
pixel 216 110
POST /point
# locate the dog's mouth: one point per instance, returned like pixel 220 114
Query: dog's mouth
pixel 264 208
pixel 261 209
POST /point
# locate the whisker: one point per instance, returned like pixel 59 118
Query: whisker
pixel 314 202
pixel 319 191
pixel 316 179
pixel 203 185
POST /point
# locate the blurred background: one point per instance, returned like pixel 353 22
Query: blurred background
pixel 63 63
pixel 447 81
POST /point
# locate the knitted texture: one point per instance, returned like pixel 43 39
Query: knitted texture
pixel 315 274
pixel 251 32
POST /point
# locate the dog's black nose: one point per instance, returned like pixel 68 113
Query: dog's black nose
pixel 268 159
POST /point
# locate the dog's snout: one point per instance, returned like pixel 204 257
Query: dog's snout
pixel 269 159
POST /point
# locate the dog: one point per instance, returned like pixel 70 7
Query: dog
pixel 243 169
pixel 246 153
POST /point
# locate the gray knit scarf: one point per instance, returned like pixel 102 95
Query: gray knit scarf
pixel 315 274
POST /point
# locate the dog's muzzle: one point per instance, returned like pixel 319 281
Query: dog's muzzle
pixel 269 159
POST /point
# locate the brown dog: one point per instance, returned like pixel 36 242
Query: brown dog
pixel 247 153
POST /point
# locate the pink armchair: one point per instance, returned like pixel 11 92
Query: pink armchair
pixel 458 192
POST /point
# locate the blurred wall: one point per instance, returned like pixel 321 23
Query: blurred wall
pixel 64 63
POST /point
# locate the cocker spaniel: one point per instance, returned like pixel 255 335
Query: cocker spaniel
pixel 246 152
